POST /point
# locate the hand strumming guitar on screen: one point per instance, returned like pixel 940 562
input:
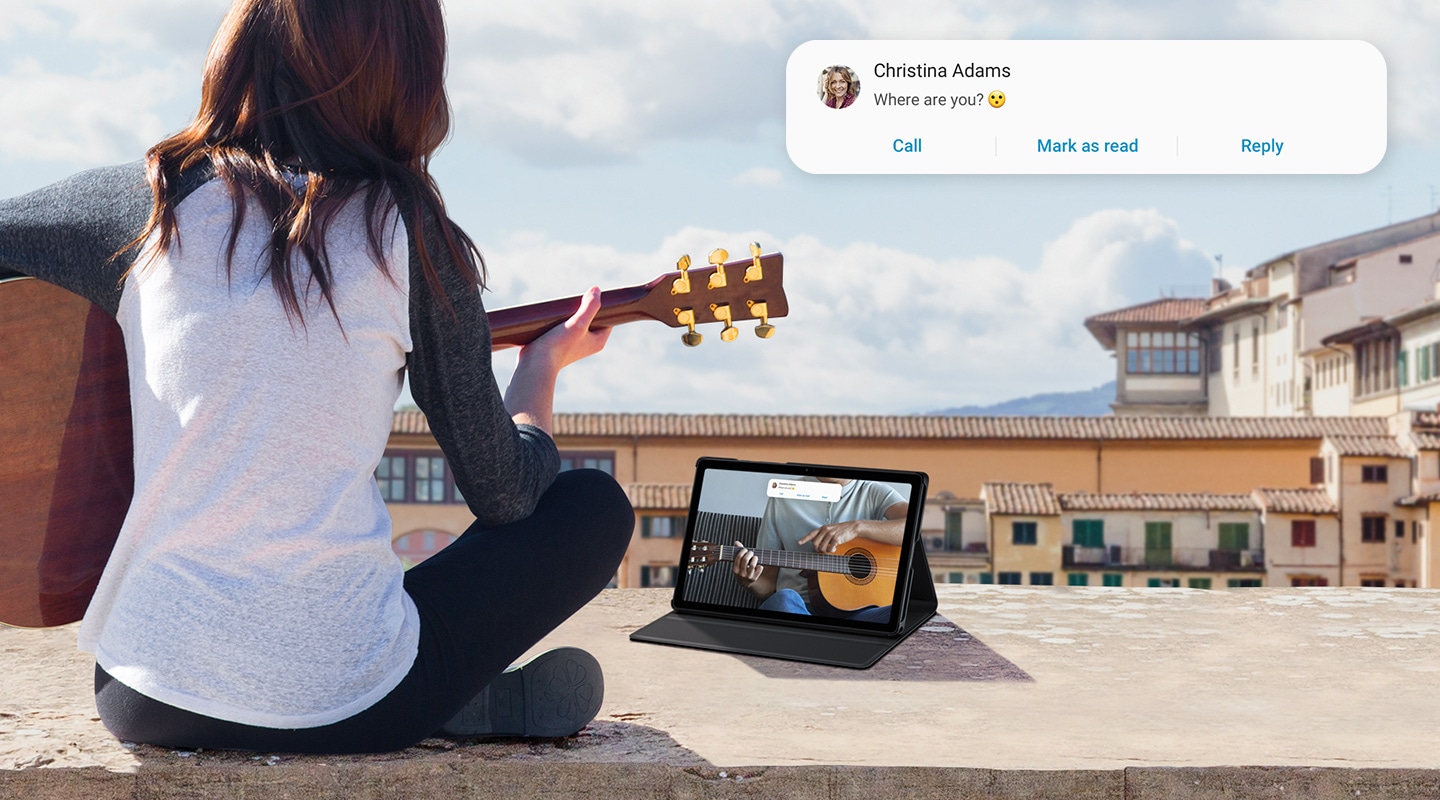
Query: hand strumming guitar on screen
pixel 865 510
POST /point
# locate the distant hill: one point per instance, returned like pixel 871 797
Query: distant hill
pixel 1089 403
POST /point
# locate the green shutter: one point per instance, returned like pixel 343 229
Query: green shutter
pixel 1088 532
pixel 1199 583
pixel 1113 579
pixel 1234 536
pixel 1157 543
pixel 1078 579
pixel 953 527
pixel 987 577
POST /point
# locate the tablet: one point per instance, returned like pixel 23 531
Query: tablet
pixel 770 518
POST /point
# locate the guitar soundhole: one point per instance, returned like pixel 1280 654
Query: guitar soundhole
pixel 861 567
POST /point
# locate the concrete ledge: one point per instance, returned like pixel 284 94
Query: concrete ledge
pixel 383 781
pixel 1017 692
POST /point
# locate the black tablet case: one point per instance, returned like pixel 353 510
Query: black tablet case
pixel 796 642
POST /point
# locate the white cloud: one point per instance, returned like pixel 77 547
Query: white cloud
pixel 871 329
pixel 563 81
pixel 758 176
pixel 135 26
pixel 581 81
pixel 85 119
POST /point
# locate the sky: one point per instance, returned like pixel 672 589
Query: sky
pixel 596 142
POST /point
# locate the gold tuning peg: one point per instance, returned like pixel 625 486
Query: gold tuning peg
pixel 764 330
pixel 686 316
pixel 718 257
pixel 682 283
pixel 753 272
pixel 722 313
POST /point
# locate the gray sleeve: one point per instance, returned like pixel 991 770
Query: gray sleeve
pixel 884 496
pixel 501 468
pixel 768 537
pixel 66 233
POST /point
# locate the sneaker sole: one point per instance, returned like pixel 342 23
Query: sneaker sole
pixel 554 694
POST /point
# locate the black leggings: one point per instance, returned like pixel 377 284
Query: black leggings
pixel 483 601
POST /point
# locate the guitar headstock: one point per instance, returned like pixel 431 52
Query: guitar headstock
pixel 725 291
pixel 702 555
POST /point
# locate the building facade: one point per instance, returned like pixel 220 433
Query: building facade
pixel 1282 501
pixel 1310 333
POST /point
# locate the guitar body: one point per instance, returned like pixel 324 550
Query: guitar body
pixel 870 580
pixel 67 446
pixel 66 464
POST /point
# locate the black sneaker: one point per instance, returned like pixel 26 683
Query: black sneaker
pixel 553 694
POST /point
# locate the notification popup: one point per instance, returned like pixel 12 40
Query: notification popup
pixel 1086 107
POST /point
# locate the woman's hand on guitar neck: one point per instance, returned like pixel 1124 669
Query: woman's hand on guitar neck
pixel 530 398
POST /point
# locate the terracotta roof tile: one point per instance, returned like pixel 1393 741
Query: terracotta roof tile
pixel 1165 309
pixel 1419 499
pixel 1426 440
pixel 659 496
pixel 939 427
pixel 1295 501
pixel 1427 419
pixel 1030 499
pixel 1139 501
pixel 1373 446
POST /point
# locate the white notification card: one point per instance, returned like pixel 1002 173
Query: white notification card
pixel 804 490
pixel 1085 107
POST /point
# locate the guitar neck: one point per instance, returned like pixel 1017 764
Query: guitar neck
pixel 520 325
pixel 814 562
pixel 748 289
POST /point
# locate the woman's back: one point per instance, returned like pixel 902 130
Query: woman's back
pixel 257 540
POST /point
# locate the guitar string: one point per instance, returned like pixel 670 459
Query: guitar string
pixel 888 566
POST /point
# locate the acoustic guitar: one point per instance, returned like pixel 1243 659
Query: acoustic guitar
pixel 66 456
pixel 860 572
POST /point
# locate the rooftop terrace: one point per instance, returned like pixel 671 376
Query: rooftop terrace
pixel 1016 692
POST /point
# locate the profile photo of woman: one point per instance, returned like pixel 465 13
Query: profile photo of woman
pixel 838 86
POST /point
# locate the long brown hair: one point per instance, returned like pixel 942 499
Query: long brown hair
pixel 346 94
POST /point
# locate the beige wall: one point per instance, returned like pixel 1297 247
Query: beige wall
pixel 650 552
pixel 1245 396
pixel 1358 500
pixel 1043 556
pixel 962 466
pixel 1283 560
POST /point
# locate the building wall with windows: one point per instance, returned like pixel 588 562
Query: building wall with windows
pixel 1268 345
pixel 1027 549
pixel 1372 476
pixel 1077 456
pixel 956 538
pixel 1196 540
pixel 654 552
pixel 1302 535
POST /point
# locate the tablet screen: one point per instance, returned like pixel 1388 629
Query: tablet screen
pixel 822 545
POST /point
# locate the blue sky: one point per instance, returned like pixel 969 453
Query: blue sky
pixel 597 141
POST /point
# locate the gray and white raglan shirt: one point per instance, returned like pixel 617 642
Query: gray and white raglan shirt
pixel 253 580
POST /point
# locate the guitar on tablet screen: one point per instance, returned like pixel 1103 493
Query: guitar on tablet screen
pixel 66 471
pixel 860 572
